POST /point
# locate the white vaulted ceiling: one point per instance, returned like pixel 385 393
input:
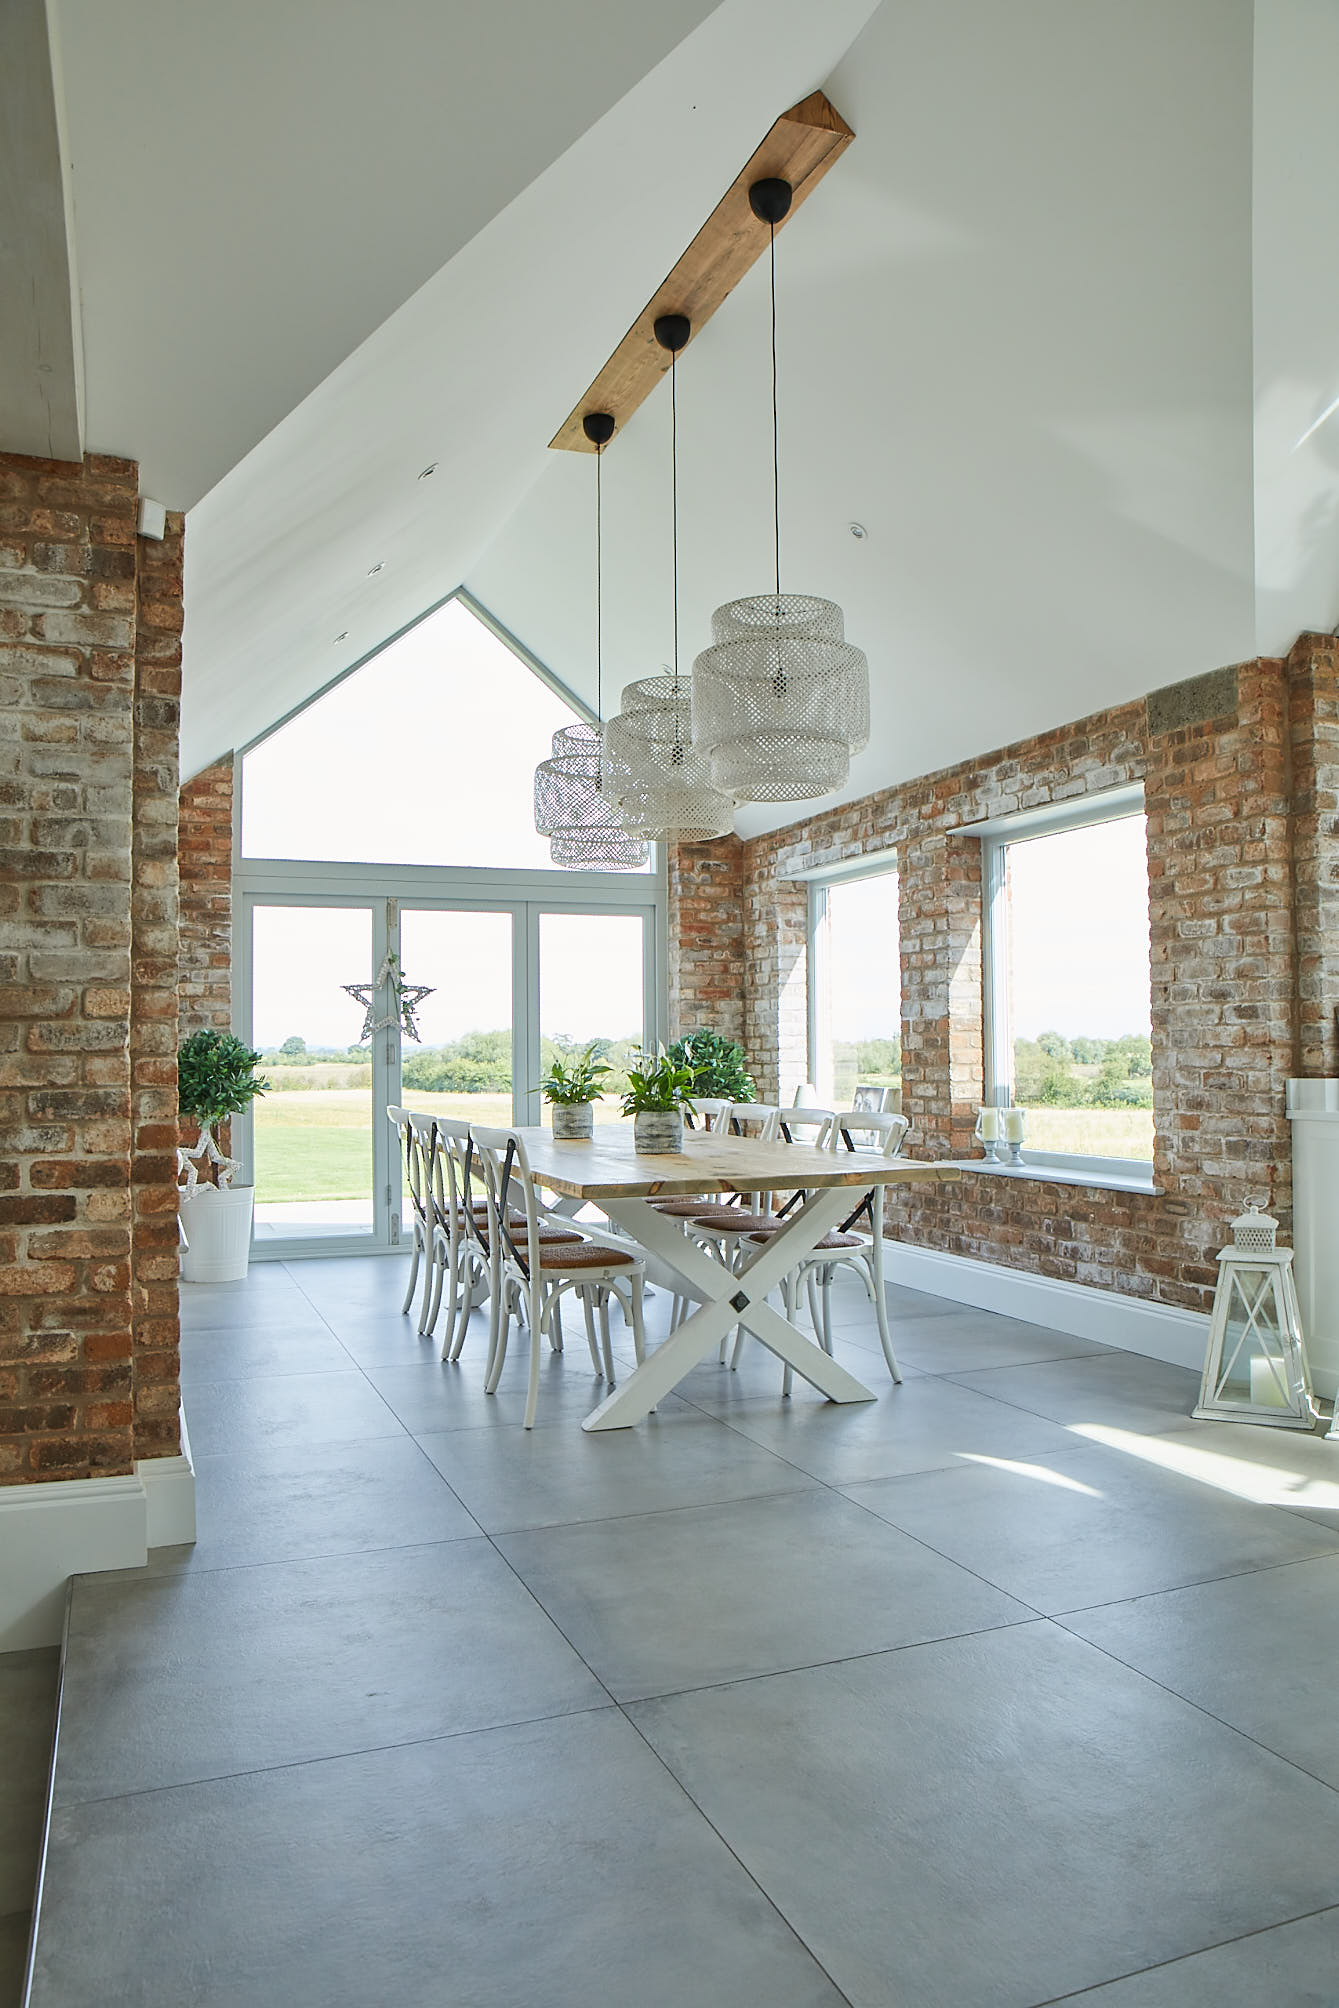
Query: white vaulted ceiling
pixel 1051 330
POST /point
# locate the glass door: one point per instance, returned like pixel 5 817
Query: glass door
pixel 592 990
pixel 315 1154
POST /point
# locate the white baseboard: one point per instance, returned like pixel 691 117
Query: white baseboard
pixel 1158 1331
pixel 81 1526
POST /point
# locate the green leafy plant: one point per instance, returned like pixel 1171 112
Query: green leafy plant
pixel 216 1078
pixel 582 1081
pixel 658 1084
pixel 718 1066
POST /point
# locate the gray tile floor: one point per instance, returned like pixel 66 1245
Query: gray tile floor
pixel 27 1720
pixel 1012 1687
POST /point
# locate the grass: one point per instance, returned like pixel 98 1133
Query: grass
pixel 1091 1132
pixel 316 1143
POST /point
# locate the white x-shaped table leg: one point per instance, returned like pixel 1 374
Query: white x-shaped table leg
pixel 726 1300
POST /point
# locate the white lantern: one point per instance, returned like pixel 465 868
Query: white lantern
pixel 1255 1368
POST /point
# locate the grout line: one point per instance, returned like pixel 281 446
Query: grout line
pixel 1181 1958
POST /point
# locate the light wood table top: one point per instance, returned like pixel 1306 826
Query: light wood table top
pixel 609 1168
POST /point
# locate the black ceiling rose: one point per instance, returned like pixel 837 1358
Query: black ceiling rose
pixel 598 427
pixel 672 331
pixel 770 200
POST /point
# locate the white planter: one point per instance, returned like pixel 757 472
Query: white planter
pixel 658 1131
pixel 573 1121
pixel 217 1226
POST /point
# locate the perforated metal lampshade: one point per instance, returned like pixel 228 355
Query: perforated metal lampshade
pixel 781 699
pixel 575 812
pixel 661 783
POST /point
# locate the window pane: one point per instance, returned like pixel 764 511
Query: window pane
pixel 590 989
pixel 425 756
pixel 1079 989
pixel 859 1003
pixel 463 1063
pixel 313 1131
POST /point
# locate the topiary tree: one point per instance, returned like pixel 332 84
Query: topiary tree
pixel 719 1069
pixel 216 1078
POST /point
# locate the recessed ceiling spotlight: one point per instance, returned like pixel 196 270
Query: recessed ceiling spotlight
pixel 430 469
pixel 857 530
pixel 343 635
pixel 380 566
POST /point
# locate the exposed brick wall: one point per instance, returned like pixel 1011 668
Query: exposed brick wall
pixel 1243 853
pixel 706 924
pixel 206 900
pixel 153 993
pixel 82 753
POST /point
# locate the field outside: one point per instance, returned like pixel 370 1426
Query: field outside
pixel 1091 1132
pixel 315 1143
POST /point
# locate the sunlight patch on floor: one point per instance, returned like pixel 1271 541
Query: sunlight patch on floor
pixel 1040 1472
pixel 1263 1484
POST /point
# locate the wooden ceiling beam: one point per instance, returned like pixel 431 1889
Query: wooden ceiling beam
pixel 800 149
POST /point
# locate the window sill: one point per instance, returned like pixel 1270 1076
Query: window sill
pixel 1050 1174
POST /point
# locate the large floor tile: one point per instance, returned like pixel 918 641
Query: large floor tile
pixel 14 1930
pixel 185 1676
pixel 233 1417
pixel 546 1477
pixel 1278 1467
pixel 995 1821
pixel 1259 1651
pixel 717 1593
pixel 556 1863
pixel 1292 1966
pixel 320 1499
pixel 922 1425
pixel 1089 1526
pixel 434 1396
pixel 758 1378
pixel 28 1682
pixel 969 1341
pixel 244 1352
pixel 1123 1390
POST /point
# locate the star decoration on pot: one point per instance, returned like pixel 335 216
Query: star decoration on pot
pixel 189 1165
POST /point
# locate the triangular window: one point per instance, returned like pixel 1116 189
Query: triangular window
pixel 424 756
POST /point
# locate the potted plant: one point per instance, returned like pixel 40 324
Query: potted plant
pixel 216 1078
pixel 718 1064
pixel 571 1092
pixel 659 1090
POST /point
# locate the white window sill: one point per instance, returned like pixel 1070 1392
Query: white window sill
pixel 1051 1174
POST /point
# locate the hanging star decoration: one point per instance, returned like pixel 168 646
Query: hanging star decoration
pixel 406 998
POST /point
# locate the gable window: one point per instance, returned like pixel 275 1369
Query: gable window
pixel 424 755
pixel 855 991
pixel 1067 982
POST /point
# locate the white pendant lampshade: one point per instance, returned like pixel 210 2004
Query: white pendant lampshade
pixel 781 698
pixel 572 806
pixel 576 813
pixel 661 783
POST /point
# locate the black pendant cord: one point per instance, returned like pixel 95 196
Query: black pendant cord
pixel 674 542
pixel 776 438
pixel 599 594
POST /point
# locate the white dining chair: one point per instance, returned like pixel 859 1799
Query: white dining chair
pixel 418 1219
pixel 531 1269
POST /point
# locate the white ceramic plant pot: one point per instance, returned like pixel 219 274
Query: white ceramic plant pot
pixel 658 1131
pixel 217 1226
pixel 573 1121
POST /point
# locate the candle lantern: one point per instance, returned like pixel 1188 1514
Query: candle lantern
pixel 1255 1368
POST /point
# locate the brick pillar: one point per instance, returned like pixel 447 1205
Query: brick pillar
pixel 706 938
pixel 205 895
pixel 776 998
pixel 1313 692
pixel 939 913
pixel 67 668
pixel 153 994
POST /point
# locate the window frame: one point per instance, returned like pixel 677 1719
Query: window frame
pixel 1056 819
pixel 819 883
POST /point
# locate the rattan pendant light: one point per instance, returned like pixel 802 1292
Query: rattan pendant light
pixel 573 809
pixel 781 699
pixel 659 779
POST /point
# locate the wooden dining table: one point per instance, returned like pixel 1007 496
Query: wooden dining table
pixel 622 1182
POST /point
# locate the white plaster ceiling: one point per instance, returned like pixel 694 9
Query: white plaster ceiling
pixel 1026 335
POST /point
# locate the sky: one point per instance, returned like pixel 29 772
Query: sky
pixel 1079 920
